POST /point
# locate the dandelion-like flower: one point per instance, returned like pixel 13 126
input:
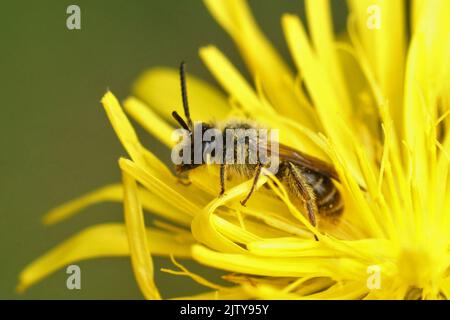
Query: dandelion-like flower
pixel 373 102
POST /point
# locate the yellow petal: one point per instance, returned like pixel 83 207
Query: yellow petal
pixel 235 293
pixel 351 290
pixel 137 239
pixel 123 128
pixel 261 58
pixel 160 89
pixel 114 193
pixel 151 122
pixel 360 89
pixel 335 119
pixel 197 278
pixel 425 79
pixel 186 202
pixel 129 139
pixel 146 160
pixel 66 210
pixel 206 227
pixel 280 267
pixel 235 84
pixel 320 26
pixel 105 240
pixel 416 11
pixel 231 80
pixel 384 47
pixel 341 291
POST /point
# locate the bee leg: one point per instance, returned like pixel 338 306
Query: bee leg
pixel 222 179
pixel 306 194
pixel 184 182
pixel 183 179
pixel 255 181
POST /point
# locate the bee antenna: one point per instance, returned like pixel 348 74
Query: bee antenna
pixel 180 120
pixel 184 94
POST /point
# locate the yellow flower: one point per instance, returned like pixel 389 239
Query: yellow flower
pixel 374 102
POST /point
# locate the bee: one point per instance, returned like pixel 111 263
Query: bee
pixel 309 181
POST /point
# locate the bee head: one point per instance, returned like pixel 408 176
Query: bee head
pixel 191 145
pixel 193 131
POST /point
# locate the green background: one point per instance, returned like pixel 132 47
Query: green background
pixel 56 142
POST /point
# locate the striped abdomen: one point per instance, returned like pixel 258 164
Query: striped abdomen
pixel 326 195
pixel 328 199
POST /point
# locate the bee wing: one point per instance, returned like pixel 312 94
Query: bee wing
pixel 302 159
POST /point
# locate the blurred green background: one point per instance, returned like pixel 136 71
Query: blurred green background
pixel 56 142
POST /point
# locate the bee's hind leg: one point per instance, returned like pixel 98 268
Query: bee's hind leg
pixel 307 196
pixel 222 179
pixel 255 182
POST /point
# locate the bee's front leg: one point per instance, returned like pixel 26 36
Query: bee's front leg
pixel 183 179
pixel 184 182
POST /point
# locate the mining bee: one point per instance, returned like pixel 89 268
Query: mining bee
pixel 308 180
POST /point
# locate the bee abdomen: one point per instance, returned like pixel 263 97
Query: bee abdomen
pixel 329 200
